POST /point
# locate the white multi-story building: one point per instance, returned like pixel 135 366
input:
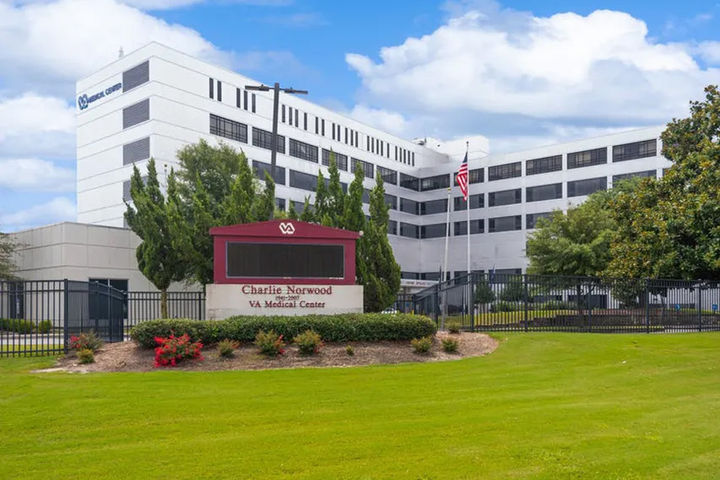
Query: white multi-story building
pixel 156 100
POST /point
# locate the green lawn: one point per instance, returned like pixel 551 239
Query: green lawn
pixel 542 406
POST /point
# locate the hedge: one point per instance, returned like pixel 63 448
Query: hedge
pixel 368 327
pixel 22 326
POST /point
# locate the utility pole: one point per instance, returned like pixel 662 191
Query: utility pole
pixel 276 103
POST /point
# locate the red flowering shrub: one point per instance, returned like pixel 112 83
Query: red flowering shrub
pixel 270 343
pixel 85 341
pixel 172 350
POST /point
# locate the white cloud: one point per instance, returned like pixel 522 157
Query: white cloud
pixel 512 70
pixel 59 209
pixel 31 174
pixel 392 122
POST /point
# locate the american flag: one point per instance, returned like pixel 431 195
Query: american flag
pixel 462 177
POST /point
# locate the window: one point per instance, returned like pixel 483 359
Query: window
pixel 317 125
pixel 212 88
pixel 476 175
pixel 253 103
pixel 626 176
pixel 322 126
pixel 136 151
pixel 433 231
pixel 297 118
pixel 300 206
pixel 476 226
pixel 136 76
pixel 410 275
pixel 409 230
pixel 434 183
pixel 532 218
pixel 245 101
pixel 433 206
pixel 126 189
pixel 219 91
pixel 476 201
pixel 434 276
pixel 290 115
pixel 303 150
pixel 500 172
pixel 138 113
pixel 333 131
pixel 388 175
pixel 228 128
pixel 261 167
pixel 543 165
pixel 305 120
pixel 543 192
pixel 505 224
pixel 392 227
pixel 340 159
pixel 366 166
pixel 238 98
pixel 282 113
pixel 505 197
pixel 366 196
pixel 391 201
pixel 302 180
pixel 586 187
pixel 346 135
pixel 587 158
pixel 409 182
pixel 631 151
pixel 409 206
pixel 263 139
pixel 280 203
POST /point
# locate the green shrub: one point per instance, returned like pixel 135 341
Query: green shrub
pixel 17 325
pixel 226 348
pixel 44 327
pixel 308 342
pixel 453 326
pixel 450 345
pixel 422 345
pixel 270 343
pixel 504 307
pixel 349 327
pixel 350 350
pixel 86 341
pixel 85 355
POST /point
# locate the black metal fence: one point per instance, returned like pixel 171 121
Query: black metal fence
pixel 574 304
pixel 144 306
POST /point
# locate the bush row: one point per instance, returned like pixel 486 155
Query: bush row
pixel 367 327
pixel 25 326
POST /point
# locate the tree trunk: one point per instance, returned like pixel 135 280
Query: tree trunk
pixel 163 303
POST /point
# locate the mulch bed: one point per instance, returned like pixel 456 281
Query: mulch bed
pixel 128 357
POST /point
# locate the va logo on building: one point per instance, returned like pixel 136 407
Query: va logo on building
pixel 287 228
pixel 83 101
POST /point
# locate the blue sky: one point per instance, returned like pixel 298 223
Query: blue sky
pixel 523 73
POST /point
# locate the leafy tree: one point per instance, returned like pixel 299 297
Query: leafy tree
pixel 7 251
pixel 382 271
pixel 483 292
pixel 148 218
pixel 670 228
pixel 514 291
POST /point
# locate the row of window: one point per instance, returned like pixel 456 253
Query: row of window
pixel 243 99
pixel 495 225
pixel 435 276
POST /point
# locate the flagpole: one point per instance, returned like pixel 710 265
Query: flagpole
pixel 445 262
pixel 469 285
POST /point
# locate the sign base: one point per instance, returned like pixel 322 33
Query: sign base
pixel 227 300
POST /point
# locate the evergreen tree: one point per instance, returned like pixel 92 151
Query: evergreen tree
pixel 292 213
pixel 382 282
pixel 148 218
pixel 307 214
pixel 336 195
pixel 483 292
pixel 354 219
pixel 265 204
pixel 321 199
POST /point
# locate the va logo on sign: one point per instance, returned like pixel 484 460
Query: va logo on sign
pixel 287 228
pixel 83 101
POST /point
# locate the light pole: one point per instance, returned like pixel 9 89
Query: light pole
pixel 276 101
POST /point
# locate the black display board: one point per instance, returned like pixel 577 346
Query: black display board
pixel 284 260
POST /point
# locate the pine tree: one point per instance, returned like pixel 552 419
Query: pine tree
pixel 321 199
pixel 307 214
pixel 354 219
pixel 292 213
pixel 336 195
pixel 148 218
pixel 265 201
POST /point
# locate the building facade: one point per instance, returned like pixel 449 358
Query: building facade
pixel 154 101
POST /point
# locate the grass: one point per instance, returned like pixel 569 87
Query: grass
pixel 549 406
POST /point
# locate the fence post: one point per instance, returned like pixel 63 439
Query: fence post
pixel 66 309
pixel 525 300
pixel 646 297
pixel 699 307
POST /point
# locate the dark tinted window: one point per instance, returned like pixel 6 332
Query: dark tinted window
pixel 586 187
pixel 532 218
pixel 409 206
pixel 476 201
pixel 340 159
pixel 499 172
pixel 367 167
pixel 434 183
pixel 410 275
pixel 392 227
pixel 136 151
pixel 587 158
pixel 505 197
pixel 433 206
pixel 227 128
pixel 543 165
pixel 505 224
pixel 391 200
pixel 263 139
pixel 433 231
pixel 388 175
pixel 409 182
pixel 303 180
pixel 303 150
pixel 631 151
pixel 543 192
pixel 280 203
pixel 138 113
pixel 409 230
pixel 626 176
pixel 476 226
pixel 136 76
pixel 261 167
pixel 285 260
